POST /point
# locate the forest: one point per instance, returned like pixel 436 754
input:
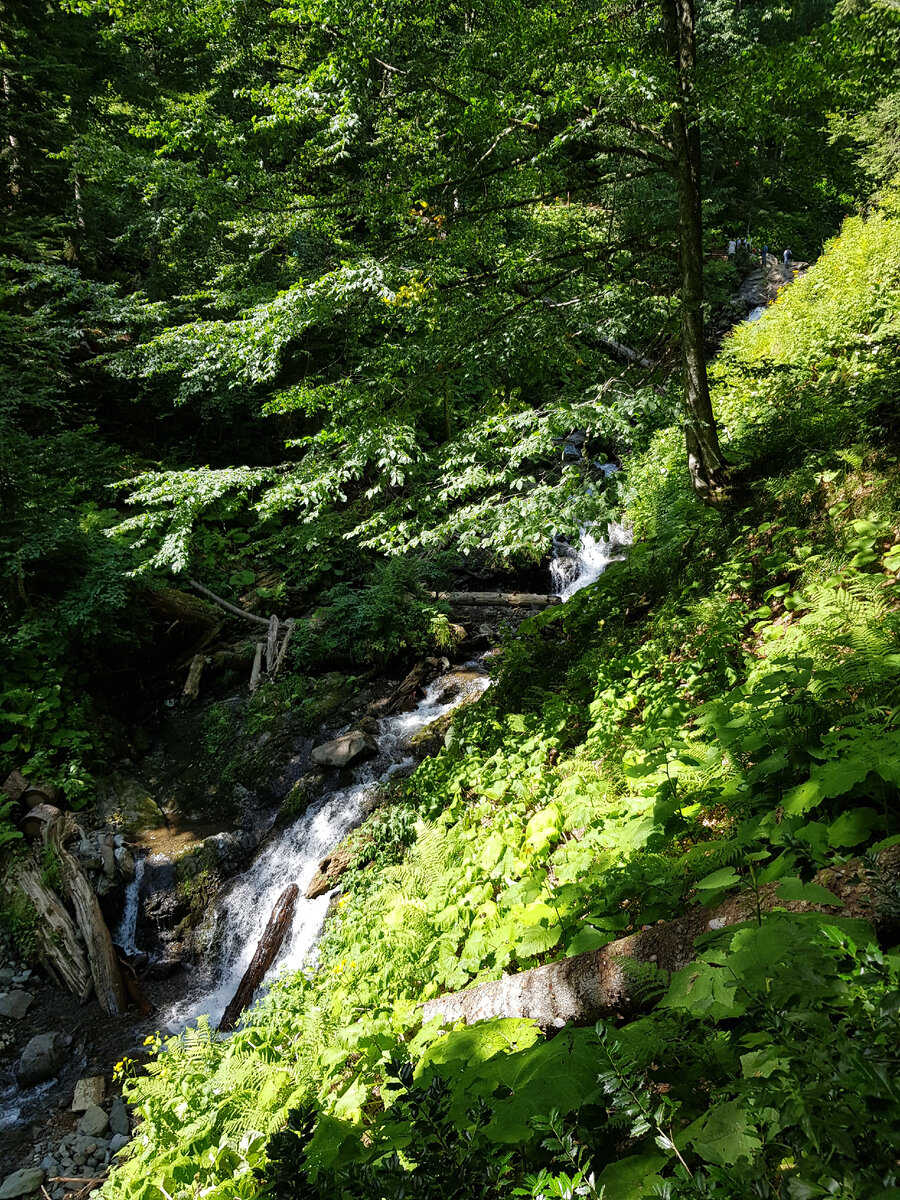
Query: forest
pixel 349 313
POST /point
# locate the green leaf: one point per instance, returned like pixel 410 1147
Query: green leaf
pixel 725 878
pixel 725 1135
pixel 811 893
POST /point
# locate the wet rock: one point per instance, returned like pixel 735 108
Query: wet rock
pixel 94 1123
pixel 348 748
pixel 125 802
pixel 88 1091
pixel 15 1005
pixel 118 1117
pixel 21 1183
pixel 307 789
pixel 41 1058
pixel 429 740
pixel 329 872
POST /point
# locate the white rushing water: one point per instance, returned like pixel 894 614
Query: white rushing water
pixel 126 929
pixel 571 569
pixel 294 855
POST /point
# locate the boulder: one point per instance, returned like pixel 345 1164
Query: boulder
pixel 41 1058
pixel 118 1142
pixel 329 872
pixel 15 1005
pixel 21 1183
pixel 88 1091
pixel 94 1123
pixel 349 747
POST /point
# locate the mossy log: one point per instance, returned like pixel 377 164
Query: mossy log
pixel 598 984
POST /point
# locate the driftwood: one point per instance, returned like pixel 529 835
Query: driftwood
pixel 269 945
pixel 599 983
pixel 192 683
pixel 59 951
pixel 100 953
pixel 498 599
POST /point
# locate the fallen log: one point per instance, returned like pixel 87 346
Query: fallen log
pixel 599 983
pixel 180 606
pixel 32 824
pixel 101 956
pixel 59 951
pixel 253 618
pixel 269 945
pixel 282 653
pixel 498 599
pixel 271 644
pixel 15 785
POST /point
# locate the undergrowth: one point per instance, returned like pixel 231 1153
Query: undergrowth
pixel 721 711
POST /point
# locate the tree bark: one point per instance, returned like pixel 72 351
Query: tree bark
pixel 269 944
pixel 706 462
pixel 59 951
pixel 100 953
pixel 599 984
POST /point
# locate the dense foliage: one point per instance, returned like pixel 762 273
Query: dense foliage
pixel 719 712
pixel 299 299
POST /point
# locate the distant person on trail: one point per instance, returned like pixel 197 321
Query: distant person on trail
pixel 765 255
pixel 732 246
pixel 788 258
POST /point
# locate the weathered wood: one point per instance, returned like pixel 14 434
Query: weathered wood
pixel 256 670
pixel 289 626
pixel 271 644
pixel 253 618
pixel 269 944
pixel 599 983
pixel 32 824
pixel 15 785
pixel 498 599
pixel 101 956
pixel 192 683
pixel 59 951
pixel 40 792
pixel 133 987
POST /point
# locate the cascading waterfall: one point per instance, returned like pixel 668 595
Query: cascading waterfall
pixel 571 569
pixel 126 929
pixel 294 856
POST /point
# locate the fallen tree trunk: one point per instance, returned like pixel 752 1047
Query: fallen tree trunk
pixel 498 599
pixel 269 945
pixel 599 984
pixel 228 606
pixel 59 951
pixel 100 953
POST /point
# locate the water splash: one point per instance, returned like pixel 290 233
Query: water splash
pixel 571 569
pixel 294 856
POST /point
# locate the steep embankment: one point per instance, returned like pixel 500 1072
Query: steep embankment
pixel 716 718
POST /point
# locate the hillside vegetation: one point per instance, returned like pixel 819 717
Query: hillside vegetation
pixel 718 714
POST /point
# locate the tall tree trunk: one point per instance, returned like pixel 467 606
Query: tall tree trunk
pixel 705 460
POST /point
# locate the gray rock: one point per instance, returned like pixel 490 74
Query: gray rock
pixel 90 1089
pixel 118 1117
pixel 41 1059
pixel 21 1183
pixel 50 1165
pixel 117 1143
pixel 6 976
pixel 94 1122
pixel 83 1144
pixel 349 747
pixel 15 1005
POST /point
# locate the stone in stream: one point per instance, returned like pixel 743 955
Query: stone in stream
pixel 41 1058
pixel 21 1183
pixel 341 751
pixel 88 1091
pixel 15 1005
pixel 94 1123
